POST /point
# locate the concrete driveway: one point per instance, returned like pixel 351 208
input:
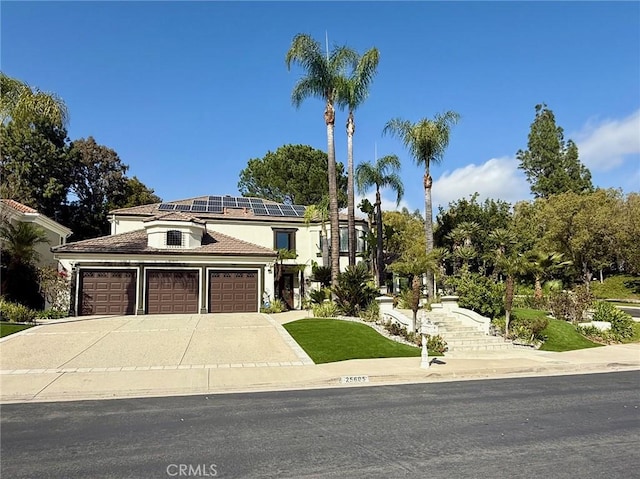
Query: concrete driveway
pixel 157 342
pixel 133 355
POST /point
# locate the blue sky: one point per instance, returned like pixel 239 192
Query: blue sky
pixel 188 92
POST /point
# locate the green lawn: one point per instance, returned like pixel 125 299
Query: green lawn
pixel 561 335
pixel 617 287
pixel 9 328
pixel 329 340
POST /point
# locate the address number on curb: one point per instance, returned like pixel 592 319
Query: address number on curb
pixel 354 379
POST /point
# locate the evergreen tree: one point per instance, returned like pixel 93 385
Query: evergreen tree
pixel 552 165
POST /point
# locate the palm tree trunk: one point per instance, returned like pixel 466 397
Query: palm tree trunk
pixel 428 227
pixel 329 117
pixel 379 255
pixel 325 245
pixel 508 302
pixel 351 128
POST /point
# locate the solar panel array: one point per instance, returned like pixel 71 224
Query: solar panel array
pixel 216 204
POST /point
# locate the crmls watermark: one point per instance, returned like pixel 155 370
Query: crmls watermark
pixel 192 470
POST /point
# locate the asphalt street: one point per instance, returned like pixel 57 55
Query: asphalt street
pixel 562 427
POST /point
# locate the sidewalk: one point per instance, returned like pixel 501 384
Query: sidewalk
pixel 30 385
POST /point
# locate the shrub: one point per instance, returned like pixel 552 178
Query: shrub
pixel 321 274
pixel 528 329
pixel 595 334
pixel 478 293
pixel 371 313
pixel 51 314
pixel 435 344
pixel 570 305
pixel 275 306
pixel 621 322
pixel 405 299
pixel 16 313
pixel 325 310
pixel 317 296
pixel 354 291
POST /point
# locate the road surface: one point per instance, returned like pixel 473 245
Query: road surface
pixel 561 427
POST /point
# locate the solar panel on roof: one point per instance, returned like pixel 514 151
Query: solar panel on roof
pixel 299 210
pixel 244 202
pixel 274 210
pixel 288 210
pixel 214 208
pixel 166 207
pixel 256 201
pixel 183 207
pixel 199 202
pixel 199 208
pixel 260 210
pixel 229 202
pixel 214 198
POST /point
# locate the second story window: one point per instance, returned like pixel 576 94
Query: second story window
pixel 284 239
pixel 174 238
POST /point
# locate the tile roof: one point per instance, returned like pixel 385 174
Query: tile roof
pixel 18 206
pixel 174 216
pixel 135 242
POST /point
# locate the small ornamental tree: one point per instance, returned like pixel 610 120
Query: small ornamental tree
pixel 54 286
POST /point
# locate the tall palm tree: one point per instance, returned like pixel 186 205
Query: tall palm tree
pixel 384 173
pixel 513 266
pixel 20 102
pixel 352 93
pixel 426 141
pixel 321 80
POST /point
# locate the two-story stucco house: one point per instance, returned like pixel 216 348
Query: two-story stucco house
pixel 199 255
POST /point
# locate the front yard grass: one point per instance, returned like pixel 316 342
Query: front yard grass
pixel 330 340
pixel 9 328
pixel 563 336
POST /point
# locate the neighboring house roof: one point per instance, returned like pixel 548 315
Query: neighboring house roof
pixel 135 242
pixel 18 211
pixel 17 206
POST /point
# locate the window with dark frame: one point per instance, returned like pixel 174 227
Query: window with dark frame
pixel 174 238
pixel 284 239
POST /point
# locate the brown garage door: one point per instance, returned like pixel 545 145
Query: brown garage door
pixel 233 291
pixel 172 292
pixel 107 291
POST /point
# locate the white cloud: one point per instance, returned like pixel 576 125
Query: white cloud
pixel 497 178
pixel 604 145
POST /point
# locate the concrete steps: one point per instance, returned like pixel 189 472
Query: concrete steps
pixel 460 337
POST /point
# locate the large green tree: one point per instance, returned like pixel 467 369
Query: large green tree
pixel 489 215
pixel 135 193
pixel 426 140
pixel 293 174
pixel 35 168
pixel 552 165
pixel 322 73
pixel 382 174
pixel 352 93
pixel 98 183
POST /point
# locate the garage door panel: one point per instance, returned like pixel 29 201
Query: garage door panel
pixel 233 291
pixel 172 292
pixel 107 292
